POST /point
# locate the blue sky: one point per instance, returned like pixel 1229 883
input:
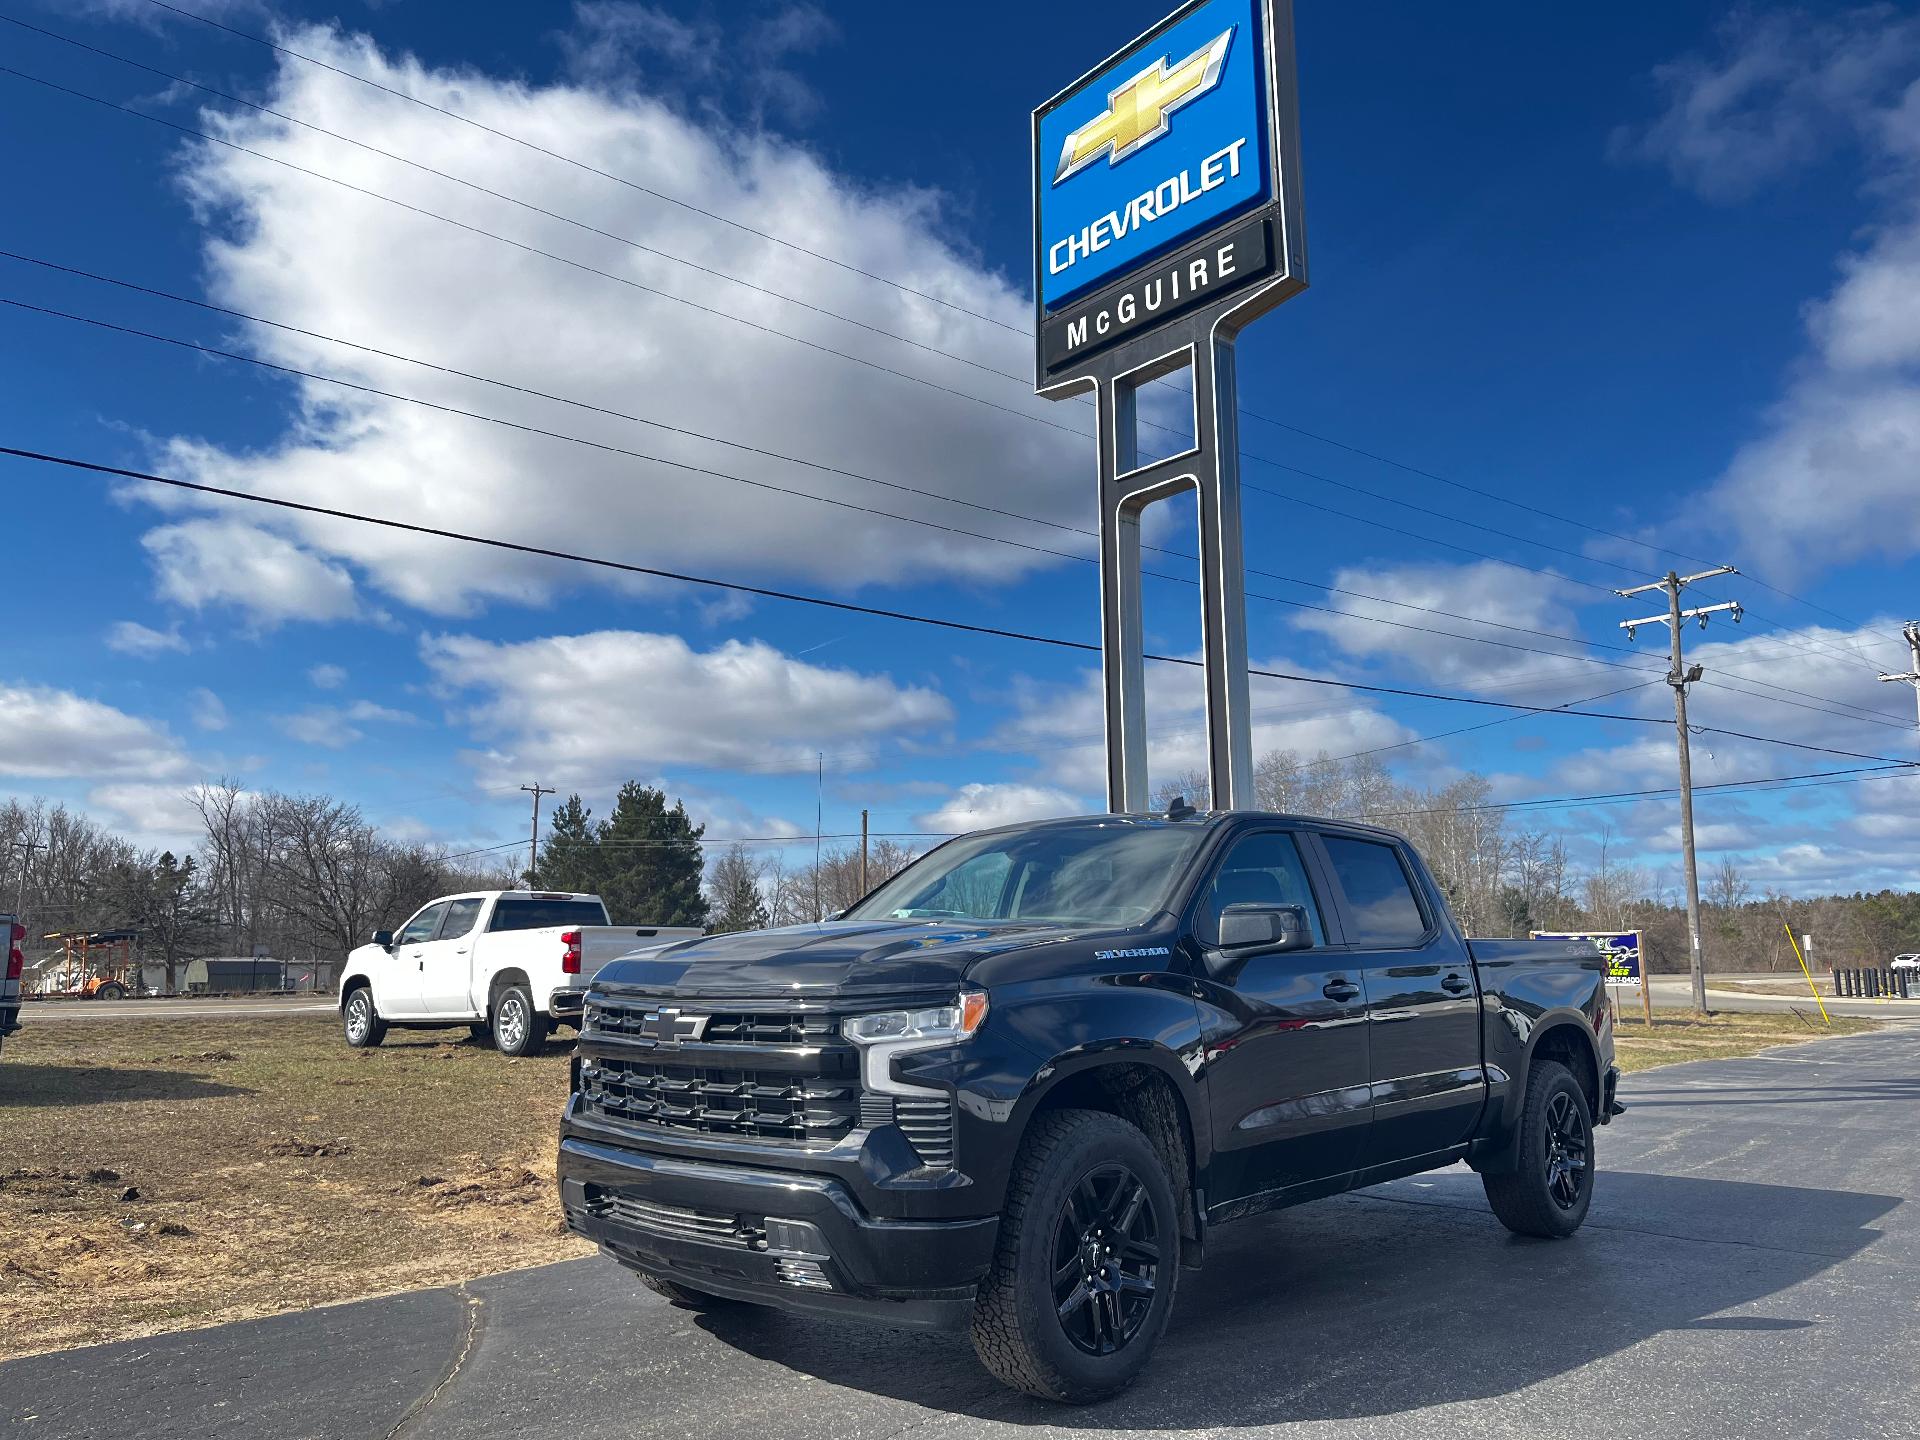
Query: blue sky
pixel 1653 275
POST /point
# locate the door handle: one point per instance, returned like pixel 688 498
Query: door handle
pixel 461 950
pixel 1456 985
pixel 1342 990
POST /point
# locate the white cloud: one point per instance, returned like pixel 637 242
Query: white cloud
pixel 1785 87
pixel 981 807
pixel 702 62
pixel 1785 91
pixel 151 815
pixel 48 734
pixel 1512 597
pixel 130 637
pixel 327 677
pixel 582 710
pixel 207 710
pixel 208 562
pixel 293 248
pixel 1060 726
pixel 334 727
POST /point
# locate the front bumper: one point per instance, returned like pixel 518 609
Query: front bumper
pixel 784 1238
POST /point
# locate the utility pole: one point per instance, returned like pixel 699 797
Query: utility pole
pixel 1912 677
pixel 1679 677
pixel 863 852
pixel 533 850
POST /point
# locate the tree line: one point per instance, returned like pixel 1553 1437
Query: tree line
pixel 308 877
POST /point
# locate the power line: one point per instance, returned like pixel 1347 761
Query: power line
pixel 529 249
pixel 880 612
pixel 782 240
pixel 442 407
pixel 770 330
pixel 721 314
pixel 1020 330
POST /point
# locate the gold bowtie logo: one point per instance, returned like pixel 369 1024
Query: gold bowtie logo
pixel 1137 111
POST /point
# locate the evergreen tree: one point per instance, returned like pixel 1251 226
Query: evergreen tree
pixel 735 883
pixel 569 857
pixel 650 863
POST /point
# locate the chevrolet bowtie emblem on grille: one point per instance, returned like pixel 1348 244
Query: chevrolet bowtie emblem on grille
pixel 1137 111
pixel 670 1027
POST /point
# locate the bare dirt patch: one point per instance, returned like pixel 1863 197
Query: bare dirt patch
pixel 266 1167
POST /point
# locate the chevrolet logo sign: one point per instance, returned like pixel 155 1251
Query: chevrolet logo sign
pixel 1137 111
pixel 670 1027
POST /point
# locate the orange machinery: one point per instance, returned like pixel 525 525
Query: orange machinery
pixel 104 958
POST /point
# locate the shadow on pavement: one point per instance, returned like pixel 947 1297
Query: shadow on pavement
pixel 1362 1306
pixel 60 1085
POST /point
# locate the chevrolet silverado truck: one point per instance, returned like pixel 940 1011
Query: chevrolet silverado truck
pixel 1017 1087
pixel 508 964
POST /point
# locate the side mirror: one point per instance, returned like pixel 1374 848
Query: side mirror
pixel 384 939
pixel 1250 930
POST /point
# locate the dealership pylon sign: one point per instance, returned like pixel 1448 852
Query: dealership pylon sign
pixel 1166 215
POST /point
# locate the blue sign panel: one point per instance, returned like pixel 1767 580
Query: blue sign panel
pixel 1164 143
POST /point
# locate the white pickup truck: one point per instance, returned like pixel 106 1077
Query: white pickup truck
pixel 507 963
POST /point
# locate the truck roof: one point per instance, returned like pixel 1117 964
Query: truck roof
pixel 1202 819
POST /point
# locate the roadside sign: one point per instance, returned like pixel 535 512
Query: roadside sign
pixel 1625 962
pixel 1167 178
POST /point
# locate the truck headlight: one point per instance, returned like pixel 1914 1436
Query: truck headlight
pixel 888 1033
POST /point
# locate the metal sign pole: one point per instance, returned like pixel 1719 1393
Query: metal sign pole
pixel 1167 214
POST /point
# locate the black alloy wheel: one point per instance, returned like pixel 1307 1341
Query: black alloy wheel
pixel 1106 1259
pixel 1544 1190
pixel 1567 1150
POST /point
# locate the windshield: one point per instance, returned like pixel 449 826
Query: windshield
pixel 544 914
pixel 1100 873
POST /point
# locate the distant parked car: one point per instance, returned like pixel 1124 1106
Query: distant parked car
pixel 1906 962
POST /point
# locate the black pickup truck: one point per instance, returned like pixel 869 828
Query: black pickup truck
pixel 1017 1086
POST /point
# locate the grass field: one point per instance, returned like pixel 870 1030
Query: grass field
pixel 1679 1035
pixel 166 1174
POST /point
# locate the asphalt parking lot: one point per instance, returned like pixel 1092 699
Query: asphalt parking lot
pixel 1751 1267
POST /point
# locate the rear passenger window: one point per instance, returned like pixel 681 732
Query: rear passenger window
pixel 1385 915
pixel 460 917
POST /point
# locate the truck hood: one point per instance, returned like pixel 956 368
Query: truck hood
pixel 839 957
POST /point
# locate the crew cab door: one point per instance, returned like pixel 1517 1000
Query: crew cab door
pixel 1287 1070
pixel 446 961
pixel 397 983
pixel 1423 1007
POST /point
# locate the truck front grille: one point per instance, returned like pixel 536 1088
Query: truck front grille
pixel 766 1104
pixel 649 1021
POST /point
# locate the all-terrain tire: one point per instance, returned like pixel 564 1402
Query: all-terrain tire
pixel 1018 1331
pixel 685 1296
pixel 518 1028
pixel 362 1023
pixel 1550 1188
